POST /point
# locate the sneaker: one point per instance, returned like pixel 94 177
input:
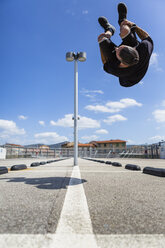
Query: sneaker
pixel 122 10
pixel 106 25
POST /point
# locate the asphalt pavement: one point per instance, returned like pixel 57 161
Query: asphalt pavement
pixel 89 205
pixel 29 198
pixel 123 201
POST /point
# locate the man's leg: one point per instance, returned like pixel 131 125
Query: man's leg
pixel 106 25
pixel 107 47
pixel 124 30
pixel 128 35
pixel 105 44
pixel 122 11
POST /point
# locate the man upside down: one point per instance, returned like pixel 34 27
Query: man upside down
pixel 129 61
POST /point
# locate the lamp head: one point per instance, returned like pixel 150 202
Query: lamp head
pixel 70 56
pixel 82 56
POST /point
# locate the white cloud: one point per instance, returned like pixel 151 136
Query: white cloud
pixel 70 12
pixel 157 138
pixel 86 122
pixel 154 61
pixel 114 118
pixel 84 91
pixel 159 115
pixel 92 97
pixel 98 108
pixel 114 107
pixel 42 123
pixel 49 137
pixel 22 117
pixel 63 122
pixel 53 123
pixel 91 94
pixel 83 123
pixel 10 133
pixel 85 12
pixel 123 103
pixel 130 142
pixel 89 138
pixel 163 103
pixel 102 131
pixel 10 128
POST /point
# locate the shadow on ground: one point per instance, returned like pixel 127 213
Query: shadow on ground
pixel 47 182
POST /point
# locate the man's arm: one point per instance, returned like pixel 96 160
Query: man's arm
pixel 103 58
pixel 139 31
pixel 100 38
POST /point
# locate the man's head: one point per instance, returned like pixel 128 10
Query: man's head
pixel 127 55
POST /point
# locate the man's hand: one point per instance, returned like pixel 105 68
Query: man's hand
pixel 128 23
pixel 139 31
pixel 107 35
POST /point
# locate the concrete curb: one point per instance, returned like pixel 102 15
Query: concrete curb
pixel 132 167
pixel 42 163
pixel 108 162
pixel 35 164
pixel 3 170
pixel 100 161
pixel 160 172
pixel 19 167
pixel 117 164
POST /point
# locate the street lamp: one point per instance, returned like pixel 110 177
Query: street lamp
pixel 70 56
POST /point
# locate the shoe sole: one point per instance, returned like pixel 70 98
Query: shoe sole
pixel 103 22
pixel 122 8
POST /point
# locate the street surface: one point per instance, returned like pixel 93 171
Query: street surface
pixel 89 205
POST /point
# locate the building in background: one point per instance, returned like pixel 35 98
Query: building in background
pixel 43 147
pixel 13 150
pixel 110 144
pixel 80 145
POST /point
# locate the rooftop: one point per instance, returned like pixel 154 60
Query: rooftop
pixel 109 141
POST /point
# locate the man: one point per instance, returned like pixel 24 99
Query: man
pixel 129 61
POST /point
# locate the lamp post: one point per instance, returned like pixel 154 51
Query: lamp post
pixel 81 56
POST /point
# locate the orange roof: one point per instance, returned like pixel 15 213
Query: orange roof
pixel 44 146
pixel 71 144
pixel 109 141
pixel 85 145
pixel 7 144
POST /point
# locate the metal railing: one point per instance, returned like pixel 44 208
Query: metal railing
pixel 152 151
pixel 14 152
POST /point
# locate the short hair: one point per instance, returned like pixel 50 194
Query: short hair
pixel 129 56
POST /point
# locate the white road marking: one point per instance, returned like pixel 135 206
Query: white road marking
pixel 131 241
pixel 75 229
pixel 104 241
pixel 111 171
pixel 40 171
pixel 83 171
pixel 75 218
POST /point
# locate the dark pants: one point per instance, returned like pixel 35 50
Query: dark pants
pixel 108 47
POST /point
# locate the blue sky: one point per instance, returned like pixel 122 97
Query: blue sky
pixel 37 83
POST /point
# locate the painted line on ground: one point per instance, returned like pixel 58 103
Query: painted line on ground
pixel 9 169
pixel 75 218
pixel 83 171
pixel 111 171
pixel 103 241
pixel 131 241
pixel 38 171
pixel 78 230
